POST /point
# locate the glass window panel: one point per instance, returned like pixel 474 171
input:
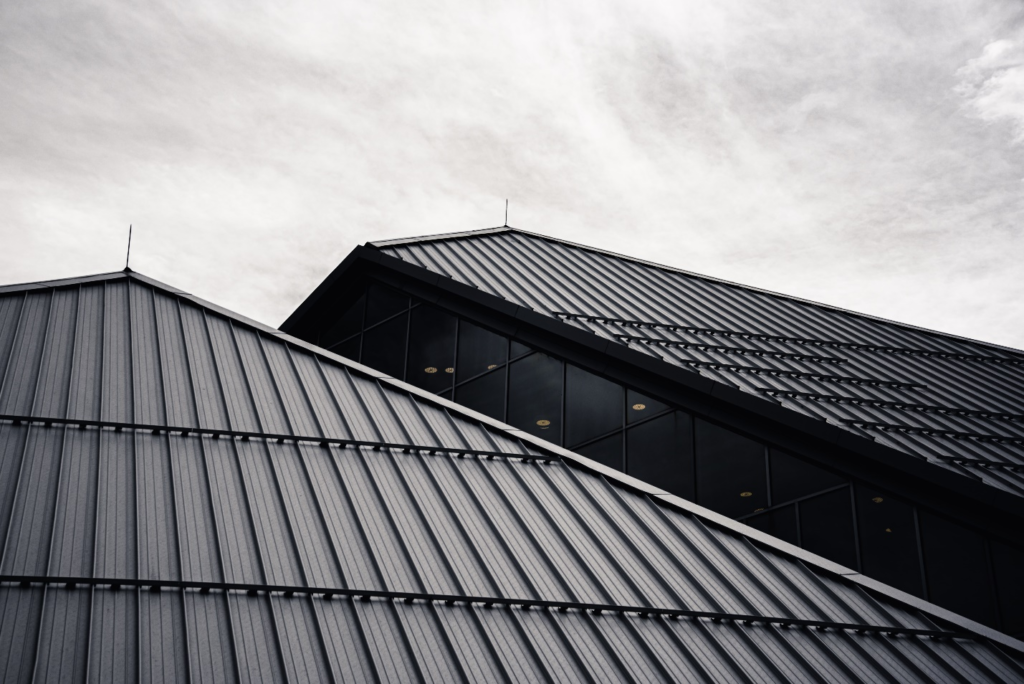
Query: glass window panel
pixel 779 523
pixel 956 569
pixel 793 478
pixel 479 350
pixel 518 349
pixel 384 347
pixel 1008 564
pixel 535 396
pixel 593 406
pixel 888 540
pixel 347 325
pixel 607 451
pixel 826 527
pixel 731 477
pixel 431 349
pixel 383 302
pixel 349 348
pixel 486 394
pixel 660 451
pixel 640 406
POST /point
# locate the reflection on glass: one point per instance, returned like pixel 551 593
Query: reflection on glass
pixel 593 406
pixel 479 350
pixel 793 478
pixel 535 396
pixel 660 451
pixel 1008 565
pixel 431 349
pixel 486 394
pixel 826 527
pixel 607 451
pixel 349 348
pixel 384 347
pixel 518 349
pixel 382 302
pixel 731 476
pixel 888 540
pixel 640 406
pixel 956 569
pixel 347 325
pixel 780 523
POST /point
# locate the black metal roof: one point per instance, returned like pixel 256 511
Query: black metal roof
pixel 186 494
pixel 955 402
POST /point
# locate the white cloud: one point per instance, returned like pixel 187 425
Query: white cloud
pixel 993 84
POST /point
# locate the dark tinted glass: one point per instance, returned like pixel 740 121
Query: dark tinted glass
pixel 826 527
pixel 660 451
pixel 956 569
pixel 793 478
pixel 349 348
pixel 382 302
pixel 535 396
pixel 888 540
pixel 607 451
pixel 1008 564
pixel 431 349
pixel 479 350
pixel 593 406
pixel 486 394
pixel 384 347
pixel 347 325
pixel 780 523
pixel 731 476
pixel 639 406
pixel 518 349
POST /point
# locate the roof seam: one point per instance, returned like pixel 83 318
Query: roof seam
pixel 158 584
pixel 217 433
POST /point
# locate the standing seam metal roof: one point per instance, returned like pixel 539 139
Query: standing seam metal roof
pixel 955 402
pixel 185 494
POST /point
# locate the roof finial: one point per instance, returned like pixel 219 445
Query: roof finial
pixel 506 214
pixel 129 255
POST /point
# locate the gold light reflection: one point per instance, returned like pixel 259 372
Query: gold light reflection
pixel 492 366
pixel 544 424
pixel 877 499
pixel 639 407
pixel 430 369
pixel 746 494
pixel 449 370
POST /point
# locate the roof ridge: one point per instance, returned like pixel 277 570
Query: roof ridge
pixel 673 269
pixel 63 282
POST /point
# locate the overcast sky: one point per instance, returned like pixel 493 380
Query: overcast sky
pixel 864 154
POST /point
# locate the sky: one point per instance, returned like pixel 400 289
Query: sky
pixel 866 154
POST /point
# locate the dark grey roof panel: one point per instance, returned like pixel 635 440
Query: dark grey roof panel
pixel 955 402
pixel 303 639
pixel 154 505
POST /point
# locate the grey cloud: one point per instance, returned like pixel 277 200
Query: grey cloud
pixel 826 150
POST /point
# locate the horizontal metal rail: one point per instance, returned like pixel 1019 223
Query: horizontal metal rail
pixel 280 438
pixel 903 405
pixel 982 463
pixel 732 350
pixel 824 377
pixel 835 344
pixel 934 432
pixel 328 593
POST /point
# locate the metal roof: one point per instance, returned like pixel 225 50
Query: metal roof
pixel 956 402
pixel 185 494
